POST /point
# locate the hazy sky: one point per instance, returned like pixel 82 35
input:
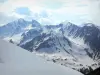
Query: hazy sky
pixel 51 11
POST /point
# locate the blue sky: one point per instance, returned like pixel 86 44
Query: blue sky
pixel 50 11
pixel 23 11
pixel 2 1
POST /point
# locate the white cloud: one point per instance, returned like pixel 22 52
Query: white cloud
pixel 94 10
pixel 5 18
pixel 55 11
pixel 45 21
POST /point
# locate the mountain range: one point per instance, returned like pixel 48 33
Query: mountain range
pixel 68 44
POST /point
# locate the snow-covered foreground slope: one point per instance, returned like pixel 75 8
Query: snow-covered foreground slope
pixel 17 61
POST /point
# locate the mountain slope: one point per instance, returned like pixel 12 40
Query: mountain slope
pixel 55 46
pixel 17 61
pixel 89 33
pixel 95 72
pixel 20 30
pixel 12 28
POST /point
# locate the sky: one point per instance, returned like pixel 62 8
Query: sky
pixel 51 11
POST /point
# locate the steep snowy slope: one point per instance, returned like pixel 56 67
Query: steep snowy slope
pixel 17 61
pixel 87 35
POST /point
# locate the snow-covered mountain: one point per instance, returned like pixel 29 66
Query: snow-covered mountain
pixel 66 44
pixel 89 33
pixel 12 28
pixel 63 46
pixel 19 30
pixel 17 61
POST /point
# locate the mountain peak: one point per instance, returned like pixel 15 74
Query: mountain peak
pixel 21 20
pixel 89 24
pixel 35 23
pixel 66 23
